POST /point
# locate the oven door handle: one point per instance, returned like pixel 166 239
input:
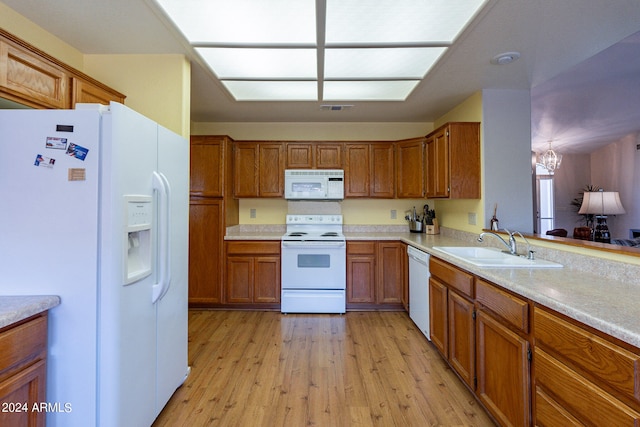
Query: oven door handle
pixel 313 245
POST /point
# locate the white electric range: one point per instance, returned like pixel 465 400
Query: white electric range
pixel 313 266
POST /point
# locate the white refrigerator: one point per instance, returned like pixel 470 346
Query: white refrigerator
pixel 94 208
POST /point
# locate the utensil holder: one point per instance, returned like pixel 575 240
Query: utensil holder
pixel 416 227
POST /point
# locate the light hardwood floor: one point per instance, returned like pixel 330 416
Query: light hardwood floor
pixel 359 369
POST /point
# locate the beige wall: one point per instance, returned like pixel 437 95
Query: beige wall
pixel 316 131
pixel 157 86
pixel 21 27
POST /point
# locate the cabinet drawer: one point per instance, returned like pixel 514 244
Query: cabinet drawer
pixel 580 397
pixel 20 345
pixel 361 248
pixel 550 413
pixel 609 363
pixel 457 279
pixel 253 247
pixel 513 310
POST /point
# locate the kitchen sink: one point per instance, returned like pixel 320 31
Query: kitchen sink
pixel 494 258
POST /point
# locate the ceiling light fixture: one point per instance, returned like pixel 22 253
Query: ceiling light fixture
pixel 505 58
pixel 329 50
pixel 550 159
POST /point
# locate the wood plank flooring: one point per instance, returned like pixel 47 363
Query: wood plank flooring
pixel 359 369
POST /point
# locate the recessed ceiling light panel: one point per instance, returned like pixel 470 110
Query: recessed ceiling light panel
pixel 397 21
pixel 244 21
pixel 368 90
pixel 272 90
pixel 380 62
pixel 261 63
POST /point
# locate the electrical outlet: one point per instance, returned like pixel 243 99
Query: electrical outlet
pixel 394 214
pixel 471 218
pixel 252 213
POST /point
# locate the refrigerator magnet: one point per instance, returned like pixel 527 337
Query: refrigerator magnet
pixel 43 161
pixel 55 143
pixel 77 151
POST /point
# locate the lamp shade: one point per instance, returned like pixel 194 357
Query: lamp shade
pixel 601 203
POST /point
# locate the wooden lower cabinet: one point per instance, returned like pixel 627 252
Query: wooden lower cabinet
pixel 206 234
pixel 375 274
pixel 503 378
pixel 252 273
pixel 583 378
pixel 438 327
pixel 23 350
pixel 461 336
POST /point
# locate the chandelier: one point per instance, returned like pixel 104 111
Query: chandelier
pixel 550 159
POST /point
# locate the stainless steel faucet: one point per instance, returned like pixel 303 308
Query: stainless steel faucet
pixel 512 246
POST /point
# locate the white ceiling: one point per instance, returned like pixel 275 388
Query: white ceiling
pixel 552 36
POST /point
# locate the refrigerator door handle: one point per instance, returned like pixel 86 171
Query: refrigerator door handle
pixel 163 189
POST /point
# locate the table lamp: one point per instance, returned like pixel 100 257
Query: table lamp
pixel 601 203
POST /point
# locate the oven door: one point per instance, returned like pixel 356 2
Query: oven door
pixel 314 265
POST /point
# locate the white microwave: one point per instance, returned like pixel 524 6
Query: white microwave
pixel 314 184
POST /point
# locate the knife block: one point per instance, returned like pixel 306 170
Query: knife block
pixel 432 229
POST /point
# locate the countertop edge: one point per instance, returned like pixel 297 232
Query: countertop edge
pixel 13 309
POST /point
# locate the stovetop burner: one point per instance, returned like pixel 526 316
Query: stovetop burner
pixel 314 228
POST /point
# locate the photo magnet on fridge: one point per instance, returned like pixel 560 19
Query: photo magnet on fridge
pixel 77 151
pixel 47 162
pixel 55 143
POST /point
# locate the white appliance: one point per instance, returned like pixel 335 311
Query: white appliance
pixel 419 289
pixel 313 265
pixel 314 184
pixel 95 210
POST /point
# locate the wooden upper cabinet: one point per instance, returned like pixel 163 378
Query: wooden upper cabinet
pixel 453 161
pixel 208 156
pixel 410 168
pixel 30 78
pixel 328 155
pixel 300 156
pixel 369 170
pixel 83 91
pixel 258 169
pixel 271 168
pixel 313 155
pixel 356 170
pixel 437 162
pixel 245 169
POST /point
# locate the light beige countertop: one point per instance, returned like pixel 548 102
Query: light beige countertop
pixel 600 293
pixel 16 308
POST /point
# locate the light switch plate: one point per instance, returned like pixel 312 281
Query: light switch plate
pixel 472 218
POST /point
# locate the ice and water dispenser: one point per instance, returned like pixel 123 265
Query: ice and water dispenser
pixel 139 221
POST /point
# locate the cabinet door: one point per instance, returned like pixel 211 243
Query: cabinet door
pixel 461 337
pixel 382 171
pixel 390 274
pixel 267 280
pixel 300 156
pixel 438 324
pixel 357 161
pixel 28 77
pixel 361 274
pixel 438 164
pixel 271 170
pixel 328 155
pixel 207 166
pixel 27 387
pixel 410 169
pixel 239 279
pixel 83 91
pixel 245 169
pixel 503 371
pixel 205 251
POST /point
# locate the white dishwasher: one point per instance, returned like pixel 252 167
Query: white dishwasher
pixel 419 289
